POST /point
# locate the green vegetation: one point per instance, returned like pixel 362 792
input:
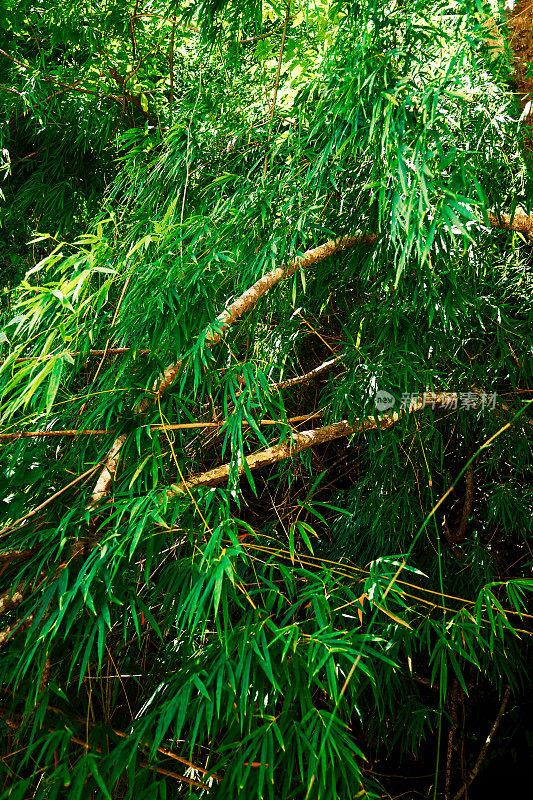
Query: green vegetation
pixel 262 540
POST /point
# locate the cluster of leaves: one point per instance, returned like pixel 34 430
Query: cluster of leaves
pixel 283 659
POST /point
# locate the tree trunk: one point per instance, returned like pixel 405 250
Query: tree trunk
pixel 520 25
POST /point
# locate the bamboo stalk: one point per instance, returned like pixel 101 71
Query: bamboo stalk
pixel 18 626
pixel 16 555
pixel 308 376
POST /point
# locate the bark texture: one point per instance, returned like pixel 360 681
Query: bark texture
pixel 15 628
pixel 519 222
pixel 11 599
pixel 520 26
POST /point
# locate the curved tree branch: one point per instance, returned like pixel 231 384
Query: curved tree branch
pixel 214 333
pixel 486 745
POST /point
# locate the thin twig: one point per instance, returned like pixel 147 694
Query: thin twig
pixel 187 166
pixel 113 321
pixel 326 366
pixel 14 722
pixel 132 27
pixel 177 427
pixel 276 387
pixel 468 503
pixel 171 69
pixel 108 353
pixel 11 91
pixel 47 502
pixel 15 60
pixel 300 441
pixel 11 437
pixel 45 674
pixel 252 39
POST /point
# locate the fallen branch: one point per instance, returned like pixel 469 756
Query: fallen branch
pixel 326 366
pixel 300 441
pixel 247 301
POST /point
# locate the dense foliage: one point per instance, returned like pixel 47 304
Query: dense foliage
pixel 305 623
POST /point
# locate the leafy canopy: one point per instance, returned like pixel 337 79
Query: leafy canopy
pixel 276 633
